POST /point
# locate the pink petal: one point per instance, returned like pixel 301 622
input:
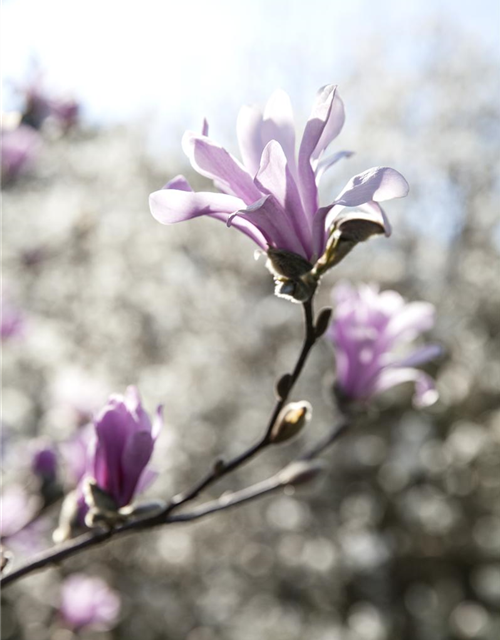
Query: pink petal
pixel 377 184
pixel 249 131
pixel 274 177
pixel 333 126
pixel 425 391
pixel 213 161
pixel 113 429
pixel 320 230
pixel 324 164
pixel 135 457
pixel 312 135
pixel 169 206
pixel 271 220
pixel 146 480
pixel 157 422
pixel 420 356
pixel 278 125
pixel 179 183
pixel 133 403
pixel 413 319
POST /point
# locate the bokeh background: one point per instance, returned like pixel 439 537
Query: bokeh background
pixel 401 541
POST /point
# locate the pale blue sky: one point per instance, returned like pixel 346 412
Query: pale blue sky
pixel 178 61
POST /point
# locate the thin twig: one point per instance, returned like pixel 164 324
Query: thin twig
pixel 226 501
pixel 221 468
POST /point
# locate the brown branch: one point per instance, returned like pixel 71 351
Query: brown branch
pixel 222 468
pixel 282 479
pixel 218 470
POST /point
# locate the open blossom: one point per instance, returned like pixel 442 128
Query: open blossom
pixel 372 331
pixel 122 446
pixel 88 602
pixel 272 195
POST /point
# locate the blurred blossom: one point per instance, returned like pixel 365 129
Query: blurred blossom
pixel 75 453
pixel 77 393
pixel 88 602
pixel 19 149
pixel 369 330
pixel 41 104
pixel 18 508
pixel 272 196
pixel 122 447
pixel 12 323
pixel 65 111
pixel 44 461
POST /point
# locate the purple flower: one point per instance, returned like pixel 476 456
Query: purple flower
pixel 19 149
pixel 272 196
pixel 88 602
pixel 122 446
pixel 41 104
pixel 44 461
pixel 370 329
pixel 75 453
pixel 18 509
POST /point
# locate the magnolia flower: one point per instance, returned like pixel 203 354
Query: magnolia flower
pixel 75 453
pixel 44 461
pixel 20 146
pixel 12 322
pixel 370 329
pixel 41 104
pixel 88 602
pixel 272 195
pixel 120 451
pixel 18 509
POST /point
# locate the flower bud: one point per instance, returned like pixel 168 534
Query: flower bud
pixel 69 521
pixel 286 264
pixel 323 321
pixel 283 385
pixel 296 290
pixel 290 421
pixel 97 499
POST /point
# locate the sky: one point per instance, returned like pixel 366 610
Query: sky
pixel 125 58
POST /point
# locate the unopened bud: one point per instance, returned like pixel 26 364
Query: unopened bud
pixel 323 321
pixel 296 289
pixel 283 385
pixel 97 498
pixel 291 421
pixel 301 471
pixel 68 519
pixel 287 264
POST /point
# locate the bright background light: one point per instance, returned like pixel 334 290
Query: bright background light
pixel 179 61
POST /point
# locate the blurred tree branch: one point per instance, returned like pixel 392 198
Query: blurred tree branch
pixel 301 470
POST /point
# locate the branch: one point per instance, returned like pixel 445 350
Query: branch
pixel 222 468
pixel 219 469
pixel 290 475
